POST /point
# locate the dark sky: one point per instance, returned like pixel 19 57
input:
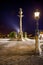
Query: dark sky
pixel 9 21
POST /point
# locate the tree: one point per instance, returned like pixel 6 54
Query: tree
pixel 12 35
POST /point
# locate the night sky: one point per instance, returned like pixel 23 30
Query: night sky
pixel 9 20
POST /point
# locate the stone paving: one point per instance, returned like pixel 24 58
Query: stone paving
pixel 21 60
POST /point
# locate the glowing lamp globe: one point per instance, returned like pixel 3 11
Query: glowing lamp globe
pixel 37 14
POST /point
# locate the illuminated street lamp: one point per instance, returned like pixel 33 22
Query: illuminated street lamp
pixel 37 16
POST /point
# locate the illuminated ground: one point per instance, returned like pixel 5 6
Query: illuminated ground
pixel 16 47
pixel 19 53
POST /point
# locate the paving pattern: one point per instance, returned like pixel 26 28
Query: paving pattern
pixel 21 60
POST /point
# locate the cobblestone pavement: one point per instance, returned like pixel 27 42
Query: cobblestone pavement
pixel 21 60
pixel 8 56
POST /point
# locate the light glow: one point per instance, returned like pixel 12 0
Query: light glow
pixel 18 30
pixel 37 14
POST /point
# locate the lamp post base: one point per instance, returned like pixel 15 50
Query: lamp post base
pixel 37 45
pixel 37 52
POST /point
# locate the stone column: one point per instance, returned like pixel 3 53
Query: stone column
pixel 20 16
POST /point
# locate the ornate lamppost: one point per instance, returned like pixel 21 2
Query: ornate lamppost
pixel 37 16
